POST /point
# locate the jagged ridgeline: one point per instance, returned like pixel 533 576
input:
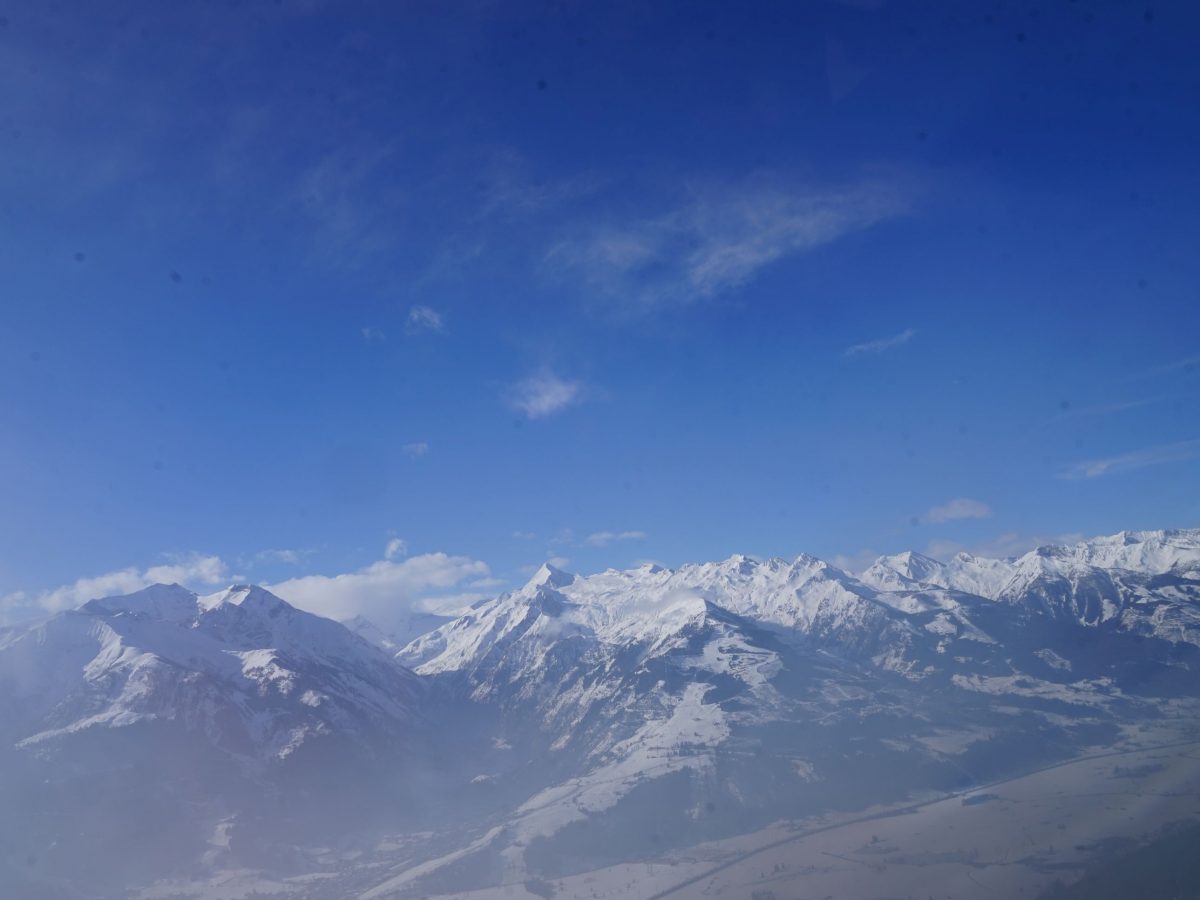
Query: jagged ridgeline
pixel 572 723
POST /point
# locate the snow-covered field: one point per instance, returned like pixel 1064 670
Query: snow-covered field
pixel 1008 839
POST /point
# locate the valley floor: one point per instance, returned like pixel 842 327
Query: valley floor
pixel 1009 839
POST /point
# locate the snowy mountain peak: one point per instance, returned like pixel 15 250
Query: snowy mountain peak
pixel 241 669
pixel 550 576
pixel 173 602
pixel 248 596
pixel 904 571
pixel 742 564
pixel 915 561
pixel 158 601
pixel 1141 551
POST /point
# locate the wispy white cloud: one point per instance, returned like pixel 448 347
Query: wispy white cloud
pixel 543 394
pixel 387 590
pixel 487 584
pixel 352 220
pixel 189 569
pixel 564 536
pixel 604 538
pixel 290 557
pixel 384 591
pixel 1185 366
pixel 879 345
pixel 372 335
pixel 855 562
pixel 524 535
pixel 513 191
pixel 415 449
pixel 425 318
pixel 1002 546
pixel 1069 411
pixel 720 237
pixel 1180 451
pixel 958 508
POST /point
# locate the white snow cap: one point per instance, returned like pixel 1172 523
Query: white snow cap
pixel 551 577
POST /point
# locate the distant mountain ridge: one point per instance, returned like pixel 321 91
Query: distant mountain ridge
pixel 1117 579
pixel 717 695
pixel 605 666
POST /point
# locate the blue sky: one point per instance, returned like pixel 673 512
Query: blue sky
pixel 286 282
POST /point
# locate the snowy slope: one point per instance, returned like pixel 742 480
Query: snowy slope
pixel 251 673
pixel 577 654
pixel 634 678
pixel 1144 582
pixel 644 706
pixel 649 606
pixel 904 571
pixel 898 616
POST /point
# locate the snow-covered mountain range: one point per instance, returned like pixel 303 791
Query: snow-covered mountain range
pixel 753 677
pixel 158 719
pixel 641 707
pixel 252 674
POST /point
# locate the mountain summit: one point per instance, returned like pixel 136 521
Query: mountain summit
pixel 259 677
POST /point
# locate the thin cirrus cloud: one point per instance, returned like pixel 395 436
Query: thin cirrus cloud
pixel 543 393
pixel 189 569
pixel 424 319
pixel 1179 451
pixel 512 188
pixel 604 538
pixel 717 239
pixel 337 193
pixel 880 345
pixel 1186 366
pixel 1067 411
pixel 289 557
pixel 956 509
pixel 415 449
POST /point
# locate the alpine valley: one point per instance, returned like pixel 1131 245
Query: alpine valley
pixel 549 740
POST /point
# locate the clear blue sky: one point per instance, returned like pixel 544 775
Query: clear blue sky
pixel 284 280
